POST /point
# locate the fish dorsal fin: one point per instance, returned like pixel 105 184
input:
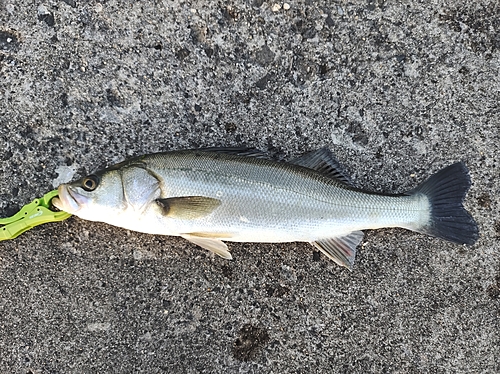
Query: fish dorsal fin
pixel 323 161
pixel 188 207
pixel 237 151
pixel 341 249
pixel 214 245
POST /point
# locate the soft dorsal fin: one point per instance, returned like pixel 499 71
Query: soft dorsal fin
pixel 188 207
pixel 323 161
pixel 341 249
pixel 237 151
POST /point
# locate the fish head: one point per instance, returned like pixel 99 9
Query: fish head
pixel 94 197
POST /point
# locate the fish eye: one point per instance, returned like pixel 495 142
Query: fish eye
pixel 90 183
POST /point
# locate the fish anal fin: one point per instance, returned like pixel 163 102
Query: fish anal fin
pixel 341 249
pixel 323 161
pixel 214 245
pixel 188 207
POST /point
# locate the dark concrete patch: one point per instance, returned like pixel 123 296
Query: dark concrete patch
pixel 249 341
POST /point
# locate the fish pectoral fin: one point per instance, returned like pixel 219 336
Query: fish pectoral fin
pixel 341 249
pixel 188 207
pixel 214 245
pixel 323 161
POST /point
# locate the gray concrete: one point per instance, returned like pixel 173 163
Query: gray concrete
pixel 396 89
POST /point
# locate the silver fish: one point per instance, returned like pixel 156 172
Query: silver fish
pixel 215 195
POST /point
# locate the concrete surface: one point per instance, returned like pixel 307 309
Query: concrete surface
pixel 397 89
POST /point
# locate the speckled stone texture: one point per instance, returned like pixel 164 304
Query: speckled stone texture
pixel 397 90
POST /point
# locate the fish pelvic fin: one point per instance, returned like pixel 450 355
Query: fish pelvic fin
pixel 341 249
pixel 214 245
pixel 446 191
pixel 188 207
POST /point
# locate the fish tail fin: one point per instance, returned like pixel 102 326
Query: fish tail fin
pixel 446 191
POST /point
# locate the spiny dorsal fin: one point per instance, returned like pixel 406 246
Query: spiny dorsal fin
pixel 214 245
pixel 188 207
pixel 237 151
pixel 341 249
pixel 323 161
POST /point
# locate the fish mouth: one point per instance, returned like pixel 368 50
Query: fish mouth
pixel 68 200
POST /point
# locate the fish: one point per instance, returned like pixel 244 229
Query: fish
pixel 216 195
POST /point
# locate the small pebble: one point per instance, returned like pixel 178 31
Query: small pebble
pixel 42 10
